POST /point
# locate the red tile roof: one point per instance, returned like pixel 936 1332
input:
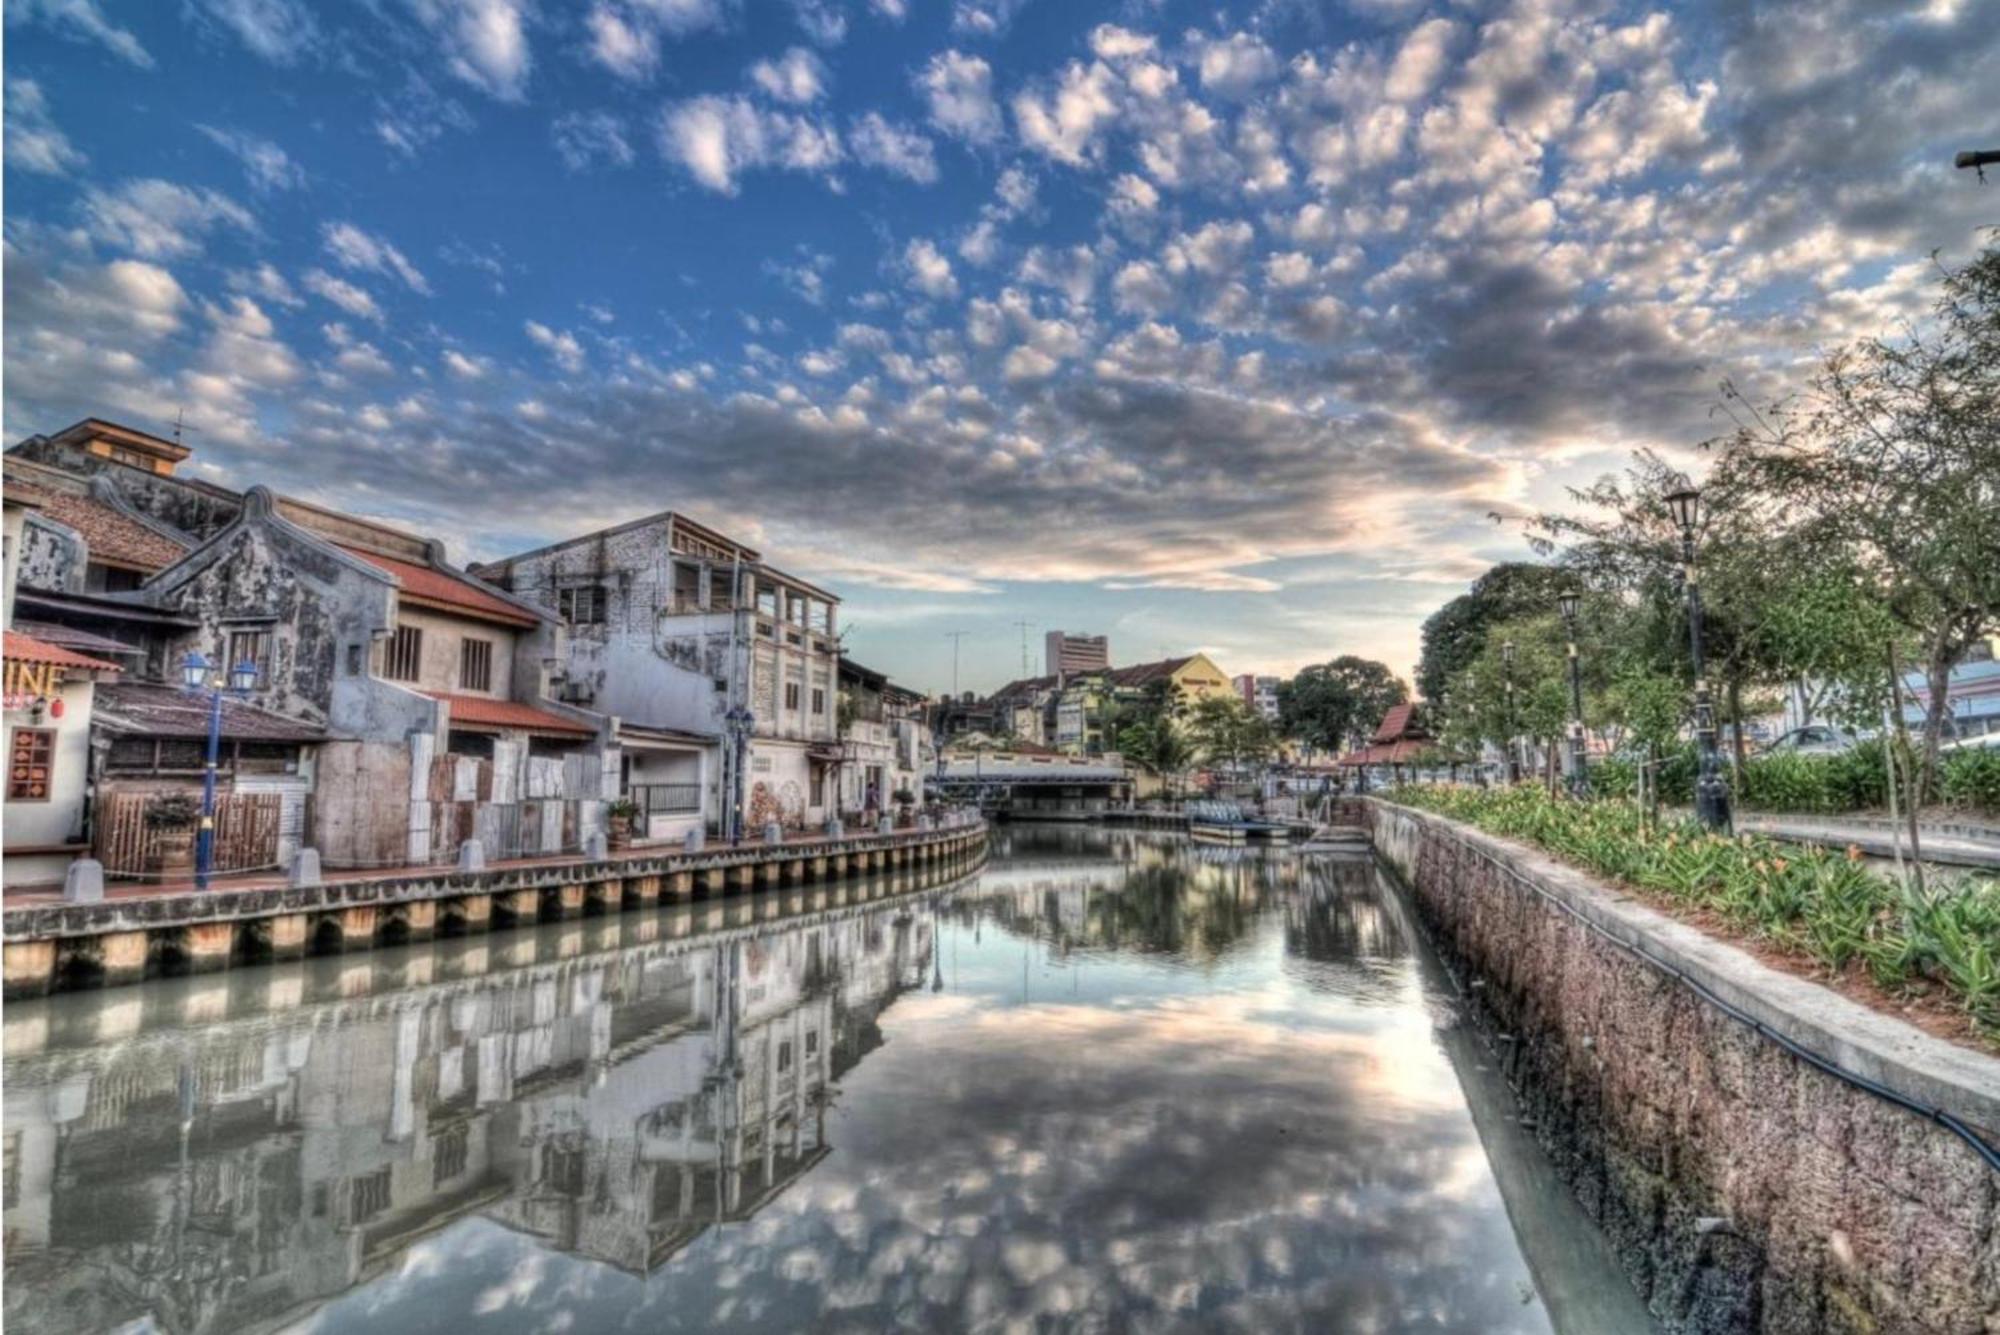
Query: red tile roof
pixel 27 649
pixel 113 538
pixel 1399 722
pixel 477 711
pixel 1141 673
pixel 428 586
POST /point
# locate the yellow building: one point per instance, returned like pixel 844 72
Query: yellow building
pixel 1195 677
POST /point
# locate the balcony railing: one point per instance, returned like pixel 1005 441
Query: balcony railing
pixel 665 799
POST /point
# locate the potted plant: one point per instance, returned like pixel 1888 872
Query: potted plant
pixel 170 827
pixel 904 800
pixel 618 822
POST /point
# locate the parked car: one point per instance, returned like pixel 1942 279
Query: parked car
pixel 1815 739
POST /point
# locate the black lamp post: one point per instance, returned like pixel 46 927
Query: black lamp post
pixel 1567 602
pixel 1507 671
pixel 241 681
pixel 1711 790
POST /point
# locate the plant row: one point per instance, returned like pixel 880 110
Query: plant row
pixel 1825 904
pixel 1853 780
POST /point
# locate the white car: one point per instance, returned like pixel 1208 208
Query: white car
pixel 1816 739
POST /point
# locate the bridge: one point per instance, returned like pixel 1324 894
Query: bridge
pixel 1036 787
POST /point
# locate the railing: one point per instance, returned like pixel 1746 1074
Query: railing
pixel 665 799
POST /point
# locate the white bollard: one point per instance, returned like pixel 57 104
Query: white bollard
pixel 774 833
pixel 596 847
pixel 83 883
pixel 305 868
pixel 695 840
pixel 472 856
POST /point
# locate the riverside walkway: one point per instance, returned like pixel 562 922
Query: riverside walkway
pixel 140 931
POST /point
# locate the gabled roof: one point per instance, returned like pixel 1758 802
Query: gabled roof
pixel 21 648
pixel 1139 674
pixel 69 637
pixel 478 713
pixel 1025 686
pixel 113 538
pixel 428 586
pixel 1400 724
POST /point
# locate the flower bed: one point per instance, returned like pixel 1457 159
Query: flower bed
pixel 1828 906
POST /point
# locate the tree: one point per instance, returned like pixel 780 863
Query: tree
pixel 1158 744
pixel 1333 706
pixel 1226 730
pixel 1455 634
pixel 1890 460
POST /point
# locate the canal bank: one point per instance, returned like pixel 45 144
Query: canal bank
pixel 55 946
pixel 1743 1187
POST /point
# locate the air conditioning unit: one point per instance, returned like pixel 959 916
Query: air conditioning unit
pixel 575 692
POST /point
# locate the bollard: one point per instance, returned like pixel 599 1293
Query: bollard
pixel 834 828
pixel 774 833
pixel 83 883
pixel 886 825
pixel 694 842
pixel 471 856
pixel 305 868
pixel 596 848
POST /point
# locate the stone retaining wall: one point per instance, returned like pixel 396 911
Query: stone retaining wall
pixel 1742 1188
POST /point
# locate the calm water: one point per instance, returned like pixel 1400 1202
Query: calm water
pixel 1113 1082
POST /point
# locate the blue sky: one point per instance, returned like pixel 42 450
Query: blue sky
pixel 1204 326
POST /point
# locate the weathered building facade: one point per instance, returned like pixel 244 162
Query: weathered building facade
pixel 676 629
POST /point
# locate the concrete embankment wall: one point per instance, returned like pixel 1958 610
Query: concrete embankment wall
pixel 1742 1188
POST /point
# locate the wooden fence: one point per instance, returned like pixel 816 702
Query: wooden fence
pixel 247 827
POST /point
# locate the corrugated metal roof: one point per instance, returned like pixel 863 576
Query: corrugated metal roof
pixel 152 710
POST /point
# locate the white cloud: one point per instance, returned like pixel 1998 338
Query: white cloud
pixel 560 344
pixel 1420 61
pixel 1065 122
pixel 280 31
pixel 354 300
pixel 893 148
pixel 928 271
pixel 464 367
pixel 821 20
pixel 1111 42
pixel 629 50
pixel 1141 289
pixel 82 20
pixel 959 91
pixel 1026 363
pixel 798 77
pixel 717 139
pixel 267 165
pixel 157 219
pixel 266 282
pixel 356 249
pixel 893 10
pixel 1233 66
pixel 984 18
pixel 34 143
pixel 586 137
pixel 485 42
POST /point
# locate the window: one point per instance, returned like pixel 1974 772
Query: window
pixel 812 1041
pixel 32 762
pixel 791 695
pixel 819 785
pixel 354 659
pixel 448 1158
pixel 250 646
pixel 784 1056
pixel 403 656
pixel 582 605
pixel 368 1196
pixel 767 603
pixel 475 665
pixel 819 701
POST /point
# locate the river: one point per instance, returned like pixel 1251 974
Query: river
pixel 1112 1081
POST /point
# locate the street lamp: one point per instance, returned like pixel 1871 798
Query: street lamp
pixel 1513 752
pixel 1711 790
pixel 1567 602
pixel 241 681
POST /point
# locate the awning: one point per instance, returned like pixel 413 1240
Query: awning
pixel 639 736
pixel 21 648
pixel 477 713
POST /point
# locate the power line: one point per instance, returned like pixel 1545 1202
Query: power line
pixel 1025 627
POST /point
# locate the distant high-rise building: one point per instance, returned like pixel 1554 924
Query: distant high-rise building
pixel 1260 693
pixel 1068 653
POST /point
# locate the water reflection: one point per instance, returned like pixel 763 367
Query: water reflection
pixel 1118 1081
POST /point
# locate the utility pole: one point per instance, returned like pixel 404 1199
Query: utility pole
pixel 1025 626
pixel 955 636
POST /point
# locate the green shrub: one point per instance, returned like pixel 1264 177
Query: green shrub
pixel 1823 903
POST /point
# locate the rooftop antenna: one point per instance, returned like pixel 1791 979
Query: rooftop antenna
pixel 1978 160
pixel 955 636
pixel 1025 626
pixel 180 424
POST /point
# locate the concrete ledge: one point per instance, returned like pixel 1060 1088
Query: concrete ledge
pixel 1881 1048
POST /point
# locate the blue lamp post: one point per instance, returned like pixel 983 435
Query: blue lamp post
pixel 740 722
pixel 195 676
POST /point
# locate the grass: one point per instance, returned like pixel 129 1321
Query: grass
pixel 1825 904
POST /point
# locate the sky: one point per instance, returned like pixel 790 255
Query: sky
pixel 1248 328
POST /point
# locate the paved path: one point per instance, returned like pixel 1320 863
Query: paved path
pixel 28 896
pixel 1950 844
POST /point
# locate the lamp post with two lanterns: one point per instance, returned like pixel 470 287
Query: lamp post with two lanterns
pixel 195 675
pixel 1567 602
pixel 1711 790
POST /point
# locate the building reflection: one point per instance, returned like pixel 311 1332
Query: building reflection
pixel 236 1175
